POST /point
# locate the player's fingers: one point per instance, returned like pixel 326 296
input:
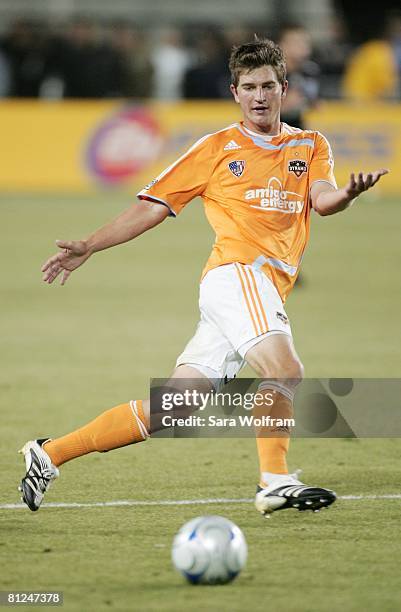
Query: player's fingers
pixel 49 276
pixel 47 264
pixel 351 184
pixel 368 180
pixel 49 268
pixel 360 182
pixel 54 268
pixel 76 247
pixel 52 275
pixel 64 244
pixel 51 261
pixel 65 276
pixel 378 174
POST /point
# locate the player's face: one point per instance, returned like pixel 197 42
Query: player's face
pixel 259 94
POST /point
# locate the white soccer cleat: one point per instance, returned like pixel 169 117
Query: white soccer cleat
pixel 292 493
pixel 40 473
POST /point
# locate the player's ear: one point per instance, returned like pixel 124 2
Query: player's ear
pixel 234 91
pixel 284 88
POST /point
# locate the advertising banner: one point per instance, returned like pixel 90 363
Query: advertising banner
pixel 81 146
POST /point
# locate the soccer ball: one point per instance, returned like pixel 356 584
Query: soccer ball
pixel 209 550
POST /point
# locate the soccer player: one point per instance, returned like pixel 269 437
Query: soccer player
pixel 259 180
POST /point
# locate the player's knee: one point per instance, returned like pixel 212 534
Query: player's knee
pixel 294 371
pixel 297 370
pixel 290 369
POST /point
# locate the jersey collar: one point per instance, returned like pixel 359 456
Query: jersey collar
pixel 272 143
pixel 265 138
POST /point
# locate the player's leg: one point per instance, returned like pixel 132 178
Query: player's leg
pixel 245 306
pixel 274 359
pixel 119 426
pixel 184 378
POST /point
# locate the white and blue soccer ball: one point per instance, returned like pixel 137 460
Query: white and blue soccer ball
pixel 209 550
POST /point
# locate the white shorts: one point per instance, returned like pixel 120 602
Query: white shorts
pixel 239 307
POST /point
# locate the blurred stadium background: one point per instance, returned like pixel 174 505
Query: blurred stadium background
pixel 109 93
pixel 96 99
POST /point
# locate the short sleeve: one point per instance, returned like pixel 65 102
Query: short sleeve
pixel 322 163
pixel 185 179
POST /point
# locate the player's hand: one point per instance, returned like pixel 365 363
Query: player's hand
pixel 72 254
pixel 358 184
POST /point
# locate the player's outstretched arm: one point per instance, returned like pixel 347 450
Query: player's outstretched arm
pixel 134 221
pixel 327 200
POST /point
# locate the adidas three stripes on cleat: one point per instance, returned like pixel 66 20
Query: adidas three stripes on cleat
pixel 40 473
pixel 291 493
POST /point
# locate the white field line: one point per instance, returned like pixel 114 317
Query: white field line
pixel 177 502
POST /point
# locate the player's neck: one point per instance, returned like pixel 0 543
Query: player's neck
pixel 268 130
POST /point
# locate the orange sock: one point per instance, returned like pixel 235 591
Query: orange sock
pixel 122 425
pixel 273 440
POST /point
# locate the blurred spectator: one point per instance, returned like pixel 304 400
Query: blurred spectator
pixel 170 60
pixel 303 83
pixel 88 66
pixel 209 77
pixel 25 50
pixel 363 24
pixel 374 70
pixel 331 56
pixel 5 81
pixel 236 35
pixel 137 69
pixel 302 74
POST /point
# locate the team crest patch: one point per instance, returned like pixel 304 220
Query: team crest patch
pixel 237 167
pixel 297 166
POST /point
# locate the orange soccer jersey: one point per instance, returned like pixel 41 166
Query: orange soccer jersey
pixel 256 193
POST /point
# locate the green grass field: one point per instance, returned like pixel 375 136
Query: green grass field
pixel 70 352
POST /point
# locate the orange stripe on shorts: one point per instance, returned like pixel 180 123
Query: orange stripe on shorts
pixel 252 298
pixel 259 299
pixel 246 299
